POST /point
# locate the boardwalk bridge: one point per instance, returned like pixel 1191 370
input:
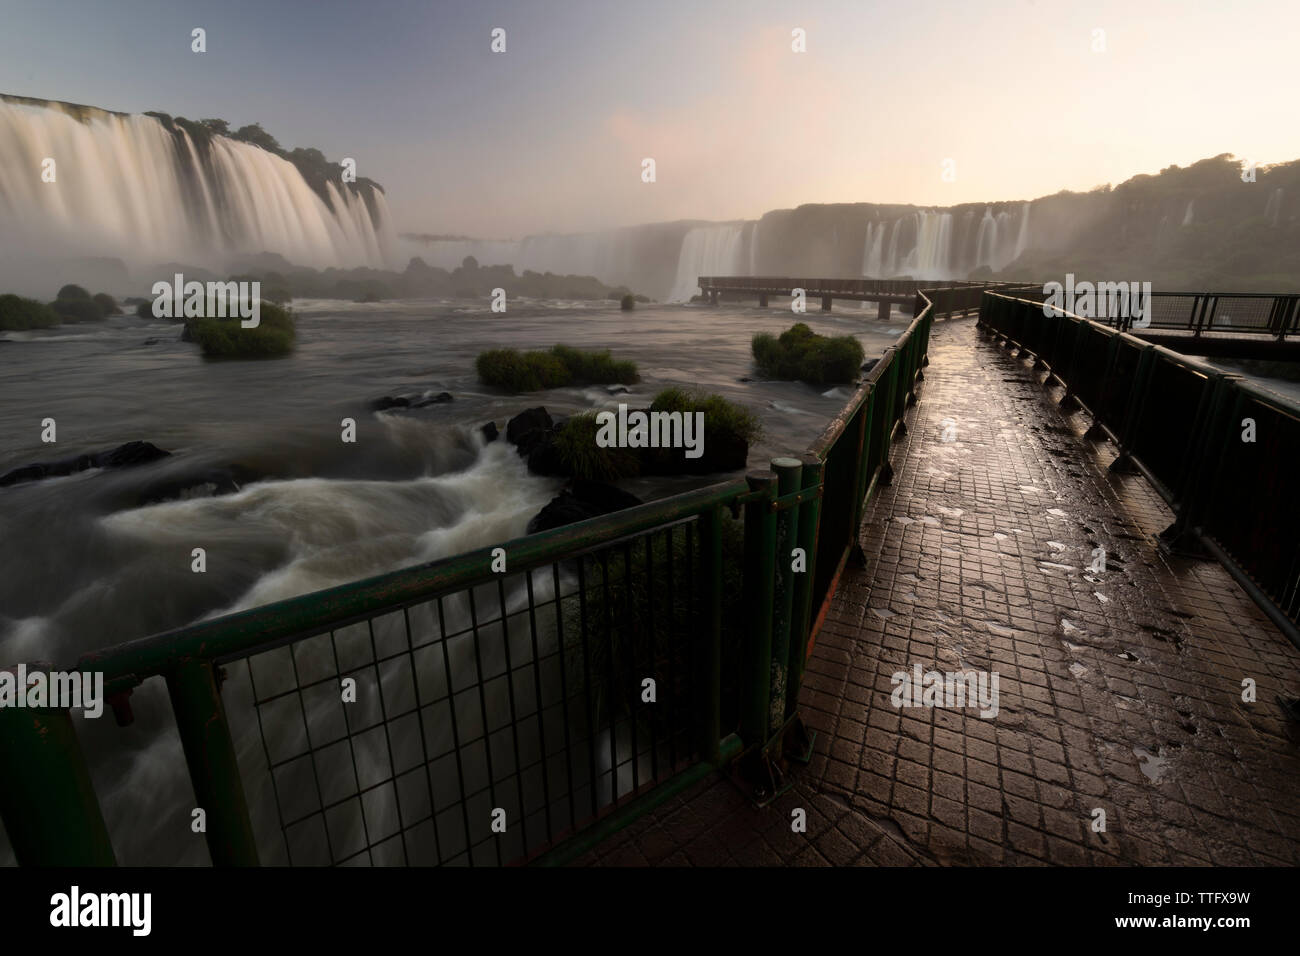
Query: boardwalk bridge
pixel 520 698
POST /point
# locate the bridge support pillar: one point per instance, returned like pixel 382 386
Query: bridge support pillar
pixel 762 299
pixel 713 297
pixel 826 303
pixel 883 308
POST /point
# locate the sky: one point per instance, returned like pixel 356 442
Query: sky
pixel 1009 99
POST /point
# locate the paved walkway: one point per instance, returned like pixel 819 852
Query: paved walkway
pixel 1118 691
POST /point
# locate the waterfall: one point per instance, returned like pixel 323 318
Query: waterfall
pixel 753 249
pixel 706 251
pixel 1274 206
pixel 127 187
pixel 891 264
pixel 1187 216
pixel 1022 237
pixel 986 243
pixel 873 250
pixel 929 257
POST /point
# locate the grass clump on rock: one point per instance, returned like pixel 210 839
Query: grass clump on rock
pixel 17 314
pixel 575 445
pixel 226 338
pixel 728 431
pixel 517 371
pixel 801 354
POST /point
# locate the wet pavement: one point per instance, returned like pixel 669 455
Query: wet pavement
pixel 1120 692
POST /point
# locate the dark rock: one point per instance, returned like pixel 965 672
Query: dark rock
pixel 123 456
pixel 722 452
pixel 411 401
pixel 153 341
pixel 440 399
pixel 580 501
pixel 869 364
pixel 529 428
pixel 533 432
pixel 617 389
pixel 490 433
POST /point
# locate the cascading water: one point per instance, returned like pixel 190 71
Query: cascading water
pixel 706 250
pixel 127 187
pixel 873 251
pixel 1022 237
pixel 929 257
pixel 753 250
pixel 1274 206
pixel 1187 216
pixel 987 242
pixel 891 263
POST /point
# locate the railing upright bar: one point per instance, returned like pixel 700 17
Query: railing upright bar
pixel 47 799
pixel 760 555
pixel 214 769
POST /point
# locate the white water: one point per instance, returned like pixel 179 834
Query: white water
pixel 1187 215
pixel 872 261
pixel 1274 206
pixel 930 257
pixel 706 251
pixel 126 187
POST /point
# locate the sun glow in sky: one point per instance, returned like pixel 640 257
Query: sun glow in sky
pixel 549 136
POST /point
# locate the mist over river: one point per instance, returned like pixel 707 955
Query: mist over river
pixel 87 565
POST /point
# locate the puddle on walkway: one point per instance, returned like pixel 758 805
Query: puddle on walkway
pixel 1077 669
pixel 1069 627
pixel 1057 513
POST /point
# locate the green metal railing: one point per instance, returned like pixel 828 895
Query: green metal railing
pixel 1185 425
pixel 453 713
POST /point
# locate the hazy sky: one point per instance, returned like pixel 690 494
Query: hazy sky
pixel 549 136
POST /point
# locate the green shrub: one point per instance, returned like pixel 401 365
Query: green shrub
pixel 17 313
pixel 78 310
pixel 517 371
pixel 596 368
pixel 800 353
pixel 107 304
pixel 721 417
pixel 71 291
pixel 227 338
pixel 575 443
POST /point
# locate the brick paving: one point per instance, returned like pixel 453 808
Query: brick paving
pixel 1119 690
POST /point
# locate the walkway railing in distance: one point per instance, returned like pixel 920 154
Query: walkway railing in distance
pixel 1201 313
pixel 840 288
pixel 1221 450
pixel 458 713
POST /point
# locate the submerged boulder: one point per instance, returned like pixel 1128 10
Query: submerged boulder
pixel 123 456
pixel 411 401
